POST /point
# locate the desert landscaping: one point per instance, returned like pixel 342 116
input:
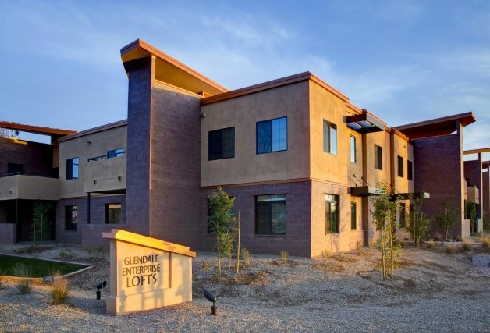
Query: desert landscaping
pixel 435 289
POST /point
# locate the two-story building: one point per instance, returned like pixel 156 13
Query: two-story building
pixel 299 158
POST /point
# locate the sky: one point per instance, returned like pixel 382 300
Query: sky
pixel 404 60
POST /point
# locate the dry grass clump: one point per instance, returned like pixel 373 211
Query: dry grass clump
pixel 284 256
pixel 486 242
pixel 246 256
pixel 22 271
pixel 59 293
pixel 328 266
pixel 344 258
pixel 466 246
pixel 450 249
pixel 431 244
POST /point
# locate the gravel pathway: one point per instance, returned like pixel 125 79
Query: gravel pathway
pixel 431 292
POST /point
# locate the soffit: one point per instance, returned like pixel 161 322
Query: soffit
pixel 436 127
pixel 35 129
pixel 170 70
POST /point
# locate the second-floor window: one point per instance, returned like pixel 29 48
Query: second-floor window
pixel 72 168
pixel 353 149
pixel 378 157
pixel 400 166
pixel 409 170
pixel 221 143
pixel 115 153
pixel 329 137
pixel 272 135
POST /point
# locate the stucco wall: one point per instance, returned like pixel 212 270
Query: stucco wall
pixel 104 171
pixel 243 113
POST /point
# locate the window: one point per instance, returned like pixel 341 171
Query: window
pixel 402 215
pixel 221 143
pixel 329 137
pixel 272 135
pixel 378 157
pixel 353 215
pixel 115 153
pixel 331 213
pixel 72 165
pixel 15 169
pixel 71 217
pixel 409 170
pixel 400 166
pixel 113 213
pixel 353 149
pixel 271 214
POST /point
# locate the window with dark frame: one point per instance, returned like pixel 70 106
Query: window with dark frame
pixel 353 215
pixel 378 157
pixel 331 213
pixel 221 144
pixel 353 149
pixel 72 168
pixel 272 135
pixel 15 169
pixel 71 218
pixel 115 153
pixel 400 166
pixel 271 214
pixel 113 213
pixel 409 170
pixel 329 137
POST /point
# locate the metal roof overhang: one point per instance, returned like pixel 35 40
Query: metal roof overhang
pixel 364 123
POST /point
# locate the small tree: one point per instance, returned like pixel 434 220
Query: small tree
pixel 419 224
pixel 41 225
pixel 222 223
pixel 384 218
pixel 446 217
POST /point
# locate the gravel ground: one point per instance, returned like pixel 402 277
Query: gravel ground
pixel 432 292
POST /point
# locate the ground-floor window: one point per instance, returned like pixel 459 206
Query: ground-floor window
pixel 331 213
pixel 271 214
pixel 353 215
pixel 113 213
pixel 71 216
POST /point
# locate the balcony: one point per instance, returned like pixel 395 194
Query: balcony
pixel 105 174
pixel 29 187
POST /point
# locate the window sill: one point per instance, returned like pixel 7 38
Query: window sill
pixel 269 235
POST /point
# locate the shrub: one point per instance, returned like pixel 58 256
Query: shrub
pixel 22 285
pixel 246 257
pixel 486 242
pixel 284 256
pixel 325 254
pixel 205 265
pixel 60 290
pixel 430 244
pixel 466 246
pixel 450 249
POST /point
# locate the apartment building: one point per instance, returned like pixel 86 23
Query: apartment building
pixel 301 161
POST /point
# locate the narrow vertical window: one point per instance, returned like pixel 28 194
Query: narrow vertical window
pixel 378 157
pixel 353 149
pixel 71 217
pixel 331 213
pixel 400 166
pixel 409 170
pixel 72 165
pixel 353 215
pixel 329 137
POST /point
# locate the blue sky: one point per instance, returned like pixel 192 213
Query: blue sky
pixel 405 61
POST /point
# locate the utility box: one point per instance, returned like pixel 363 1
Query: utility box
pixel 146 273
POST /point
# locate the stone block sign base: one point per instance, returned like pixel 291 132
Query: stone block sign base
pixel 147 273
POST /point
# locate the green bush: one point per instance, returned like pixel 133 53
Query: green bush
pixel 22 284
